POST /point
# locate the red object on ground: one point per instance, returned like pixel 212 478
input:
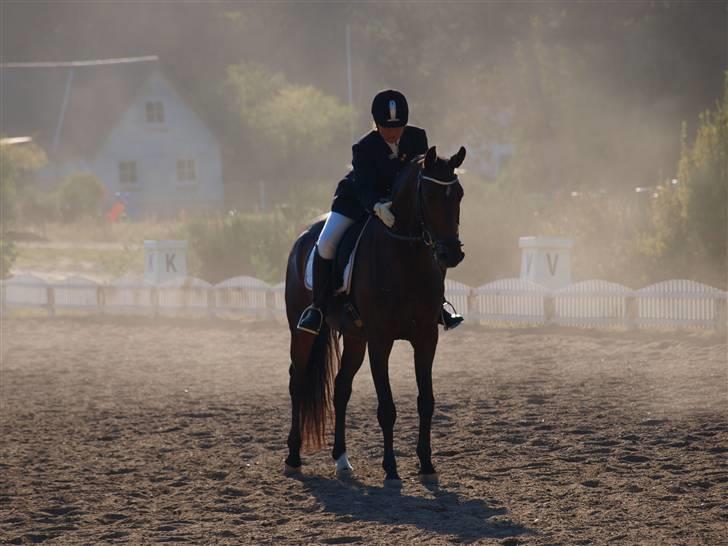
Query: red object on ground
pixel 117 210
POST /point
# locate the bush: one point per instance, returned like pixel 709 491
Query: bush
pixel 690 221
pixel 80 195
pixel 8 253
pixel 225 246
pixel 39 207
pixel 494 216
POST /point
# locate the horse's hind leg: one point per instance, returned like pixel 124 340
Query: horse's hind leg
pixel 293 461
pixel 300 349
pixel 424 349
pixel 386 410
pixel 351 361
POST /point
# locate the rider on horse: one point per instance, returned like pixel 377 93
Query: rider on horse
pixel 377 160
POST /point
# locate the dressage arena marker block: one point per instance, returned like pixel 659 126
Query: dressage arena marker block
pixel 546 261
pixel 164 260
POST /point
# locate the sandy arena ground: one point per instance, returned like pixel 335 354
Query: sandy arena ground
pixel 143 432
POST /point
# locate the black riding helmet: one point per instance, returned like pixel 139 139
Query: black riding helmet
pixel 389 109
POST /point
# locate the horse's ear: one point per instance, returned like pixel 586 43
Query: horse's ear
pixel 430 158
pixel 457 160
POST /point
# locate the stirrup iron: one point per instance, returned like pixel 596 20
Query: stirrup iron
pixel 309 322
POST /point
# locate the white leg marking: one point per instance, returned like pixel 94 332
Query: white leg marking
pixel 343 467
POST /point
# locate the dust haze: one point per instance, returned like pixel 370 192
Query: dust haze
pixel 566 108
pixel 141 429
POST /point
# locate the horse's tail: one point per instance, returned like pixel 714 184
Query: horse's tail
pixel 318 385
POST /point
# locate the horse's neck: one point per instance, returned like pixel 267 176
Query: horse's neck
pixel 404 208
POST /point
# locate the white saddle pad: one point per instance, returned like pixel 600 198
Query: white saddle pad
pixel 348 270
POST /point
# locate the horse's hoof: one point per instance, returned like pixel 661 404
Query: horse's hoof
pixel 430 479
pixel 289 470
pixel 345 474
pixel 393 481
pixel 343 467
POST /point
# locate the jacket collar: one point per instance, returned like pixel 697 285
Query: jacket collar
pixel 385 147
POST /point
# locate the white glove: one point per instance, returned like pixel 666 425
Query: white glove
pixel 381 211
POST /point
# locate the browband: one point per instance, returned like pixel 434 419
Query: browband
pixel 436 181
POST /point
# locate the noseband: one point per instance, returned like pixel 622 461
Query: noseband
pixel 425 231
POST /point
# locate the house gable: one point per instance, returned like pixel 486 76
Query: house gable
pixel 174 158
pixel 126 123
pixel 180 125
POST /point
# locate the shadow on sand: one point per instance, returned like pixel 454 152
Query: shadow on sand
pixel 445 514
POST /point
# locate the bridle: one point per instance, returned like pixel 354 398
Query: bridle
pixel 425 235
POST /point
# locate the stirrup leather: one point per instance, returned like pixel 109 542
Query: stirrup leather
pixel 311 320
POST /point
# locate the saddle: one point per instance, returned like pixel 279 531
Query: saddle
pixel 343 263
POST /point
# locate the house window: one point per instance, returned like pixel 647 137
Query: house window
pixel 127 172
pixel 186 170
pixel 155 111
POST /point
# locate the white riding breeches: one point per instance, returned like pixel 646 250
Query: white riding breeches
pixel 334 228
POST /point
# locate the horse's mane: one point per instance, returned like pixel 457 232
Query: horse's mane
pixel 405 174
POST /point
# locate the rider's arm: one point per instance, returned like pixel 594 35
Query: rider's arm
pixel 364 177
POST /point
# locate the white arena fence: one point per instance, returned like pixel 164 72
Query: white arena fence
pixel 668 304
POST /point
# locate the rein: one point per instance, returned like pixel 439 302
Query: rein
pixel 425 233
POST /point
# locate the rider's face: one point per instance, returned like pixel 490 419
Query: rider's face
pixel 390 134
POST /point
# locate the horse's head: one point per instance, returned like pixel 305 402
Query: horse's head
pixel 439 194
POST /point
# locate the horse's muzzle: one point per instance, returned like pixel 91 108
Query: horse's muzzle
pixel 449 253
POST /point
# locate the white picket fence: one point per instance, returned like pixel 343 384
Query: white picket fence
pixel 669 304
pixel 592 303
pixel 509 301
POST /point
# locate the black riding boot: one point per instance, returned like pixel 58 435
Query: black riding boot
pixel 450 320
pixel 313 316
pixel 447 319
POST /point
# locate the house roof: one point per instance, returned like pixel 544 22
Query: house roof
pixel 31 102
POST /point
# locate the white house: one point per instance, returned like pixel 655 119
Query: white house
pixel 126 123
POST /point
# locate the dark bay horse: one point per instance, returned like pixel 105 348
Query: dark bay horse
pixel 397 289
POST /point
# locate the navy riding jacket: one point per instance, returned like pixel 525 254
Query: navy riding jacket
pixel 375 170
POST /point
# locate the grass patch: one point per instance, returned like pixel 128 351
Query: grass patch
pixel 109 262
pixel 92 231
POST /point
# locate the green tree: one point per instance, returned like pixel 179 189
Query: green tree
pixel 17 166
pixel 80 196
pixel 302 120
pixel 690 218
pixel 249 85
pixel 290 124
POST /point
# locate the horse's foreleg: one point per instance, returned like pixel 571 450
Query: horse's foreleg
pixel 351 360
pixel 386 410
pixel 424 355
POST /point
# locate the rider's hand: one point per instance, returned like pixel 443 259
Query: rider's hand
pixel 381 211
